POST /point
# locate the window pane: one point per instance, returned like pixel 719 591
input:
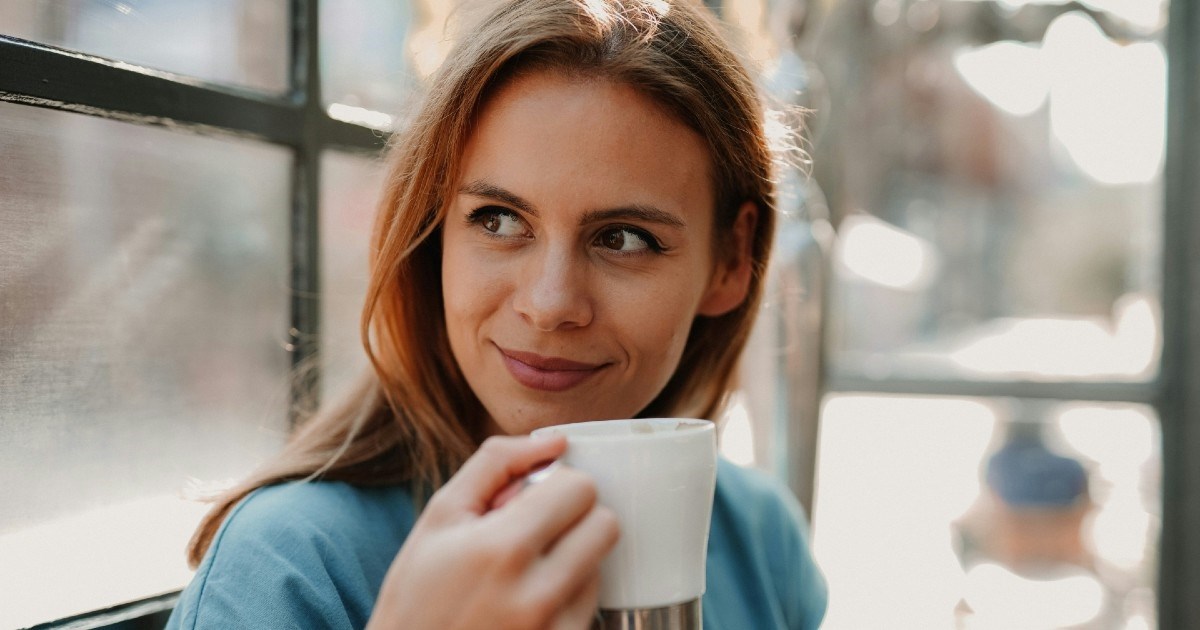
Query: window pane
pixel 975 513
pixel 350 188
pixel 998 179
pixel 373 53
pixel 239 42
pixel 144 310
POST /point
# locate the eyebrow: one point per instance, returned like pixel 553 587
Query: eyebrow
pixel 637 211
pixel 480 188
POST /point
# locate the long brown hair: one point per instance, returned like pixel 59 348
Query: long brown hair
pixel 412 418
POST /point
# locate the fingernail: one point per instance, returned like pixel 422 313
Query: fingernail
pixel 540 474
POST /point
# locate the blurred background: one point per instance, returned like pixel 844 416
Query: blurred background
pixel 959 369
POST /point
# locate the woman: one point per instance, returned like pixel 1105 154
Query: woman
pixel 575 227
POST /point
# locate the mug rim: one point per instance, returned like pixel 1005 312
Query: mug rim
pixel 579 431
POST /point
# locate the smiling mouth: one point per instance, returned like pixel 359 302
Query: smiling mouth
pixel 549 374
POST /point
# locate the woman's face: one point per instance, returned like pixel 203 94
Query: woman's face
pixel 576 252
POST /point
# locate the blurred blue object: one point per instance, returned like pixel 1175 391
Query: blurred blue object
pixel 1027 474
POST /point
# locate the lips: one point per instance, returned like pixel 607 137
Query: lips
pixel 550 374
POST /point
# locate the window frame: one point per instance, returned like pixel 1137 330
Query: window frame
pixel 1178 403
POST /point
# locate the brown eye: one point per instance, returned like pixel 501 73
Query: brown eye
pixel 498 222
pixel 627 240
pixel 614 239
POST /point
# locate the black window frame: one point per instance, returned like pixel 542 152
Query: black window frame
pixel 46 76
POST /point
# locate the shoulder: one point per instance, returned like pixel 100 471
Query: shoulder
pixel 329 526
pixel 297 551
pixel 318 507
pixel 745 479
pixel 752 494
pixel 758 515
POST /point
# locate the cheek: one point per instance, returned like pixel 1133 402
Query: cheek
pixel 656 321
pixel 470 291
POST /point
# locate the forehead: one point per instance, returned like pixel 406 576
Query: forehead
pixel 569 140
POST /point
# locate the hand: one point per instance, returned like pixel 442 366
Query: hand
pixel 532 562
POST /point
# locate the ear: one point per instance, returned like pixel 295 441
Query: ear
pixel 731 277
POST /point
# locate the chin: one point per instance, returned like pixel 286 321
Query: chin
pixel 518 423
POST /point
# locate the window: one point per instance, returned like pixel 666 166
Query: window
pixel 165 205
pixel 1012 186
pixel 1000 193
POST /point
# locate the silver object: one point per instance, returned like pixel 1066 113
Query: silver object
pixel 685 616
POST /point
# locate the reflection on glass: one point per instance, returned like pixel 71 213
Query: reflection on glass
pixel 995 175
pixel 350 189
pixel 885 255
pixel 373 55
pixel 972 513
pixel 1125 345
pixel 1095 80
pixel 239 42
pixel 143 317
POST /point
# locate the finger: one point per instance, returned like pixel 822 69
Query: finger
pixel 508 492
pixel 580 611
pixel 497 463
pixel 541 513
pixel 576 556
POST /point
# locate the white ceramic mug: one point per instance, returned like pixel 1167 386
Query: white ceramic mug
pixel 658 475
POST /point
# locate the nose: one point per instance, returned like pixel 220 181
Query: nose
pixel 552 291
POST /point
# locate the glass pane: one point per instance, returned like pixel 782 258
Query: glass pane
pixel 995 170
pixel 239 42
pixel 350 189
pixel 975 513
pixel 144 310
pixel 374 52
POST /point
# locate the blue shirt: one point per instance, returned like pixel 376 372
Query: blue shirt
pixel 313 555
